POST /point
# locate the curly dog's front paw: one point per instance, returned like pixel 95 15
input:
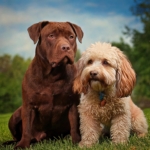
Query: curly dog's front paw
pixel 85 144
pixel 119 141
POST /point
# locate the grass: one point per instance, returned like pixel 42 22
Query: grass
pixel 65 144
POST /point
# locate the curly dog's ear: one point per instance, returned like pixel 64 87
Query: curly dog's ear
pixel 126 77
pixel 79 85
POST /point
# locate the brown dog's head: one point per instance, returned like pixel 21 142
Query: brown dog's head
pixel 104 68
pixel 56 41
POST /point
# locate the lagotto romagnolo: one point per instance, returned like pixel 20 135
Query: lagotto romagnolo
pixel 105 80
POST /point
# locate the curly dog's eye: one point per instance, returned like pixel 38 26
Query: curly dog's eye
pixel 90 62
pixel 105 62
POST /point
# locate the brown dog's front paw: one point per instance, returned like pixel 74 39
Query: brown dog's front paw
pixel 22 144
pixel 76 139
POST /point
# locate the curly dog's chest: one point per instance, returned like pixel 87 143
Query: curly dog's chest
pixel 104 114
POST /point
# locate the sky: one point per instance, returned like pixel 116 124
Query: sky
pixel 100 20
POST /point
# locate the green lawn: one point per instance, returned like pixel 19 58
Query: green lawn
pixel 65 144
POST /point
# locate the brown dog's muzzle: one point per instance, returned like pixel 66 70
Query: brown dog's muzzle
pixel 63 54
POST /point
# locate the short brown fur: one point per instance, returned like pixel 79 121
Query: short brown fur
pixel 49 107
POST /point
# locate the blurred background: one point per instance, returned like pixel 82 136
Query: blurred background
pixel 126 24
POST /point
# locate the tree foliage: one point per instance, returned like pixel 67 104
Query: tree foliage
pixel 78 55
pixel 12 70
pixel 139 53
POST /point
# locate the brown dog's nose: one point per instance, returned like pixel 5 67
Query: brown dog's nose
pixel 93 74
pixel 65 47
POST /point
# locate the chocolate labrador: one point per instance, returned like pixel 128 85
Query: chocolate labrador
pixel 49 106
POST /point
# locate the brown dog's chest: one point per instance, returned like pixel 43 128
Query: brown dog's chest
pixel 52 103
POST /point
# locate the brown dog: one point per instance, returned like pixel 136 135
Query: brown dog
pixel 49 107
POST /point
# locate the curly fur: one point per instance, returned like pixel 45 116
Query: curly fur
pixel 104 68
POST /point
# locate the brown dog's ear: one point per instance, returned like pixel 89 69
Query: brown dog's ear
pixel 78 31
pixel 35 29
pixel 79 85
pixel 126 77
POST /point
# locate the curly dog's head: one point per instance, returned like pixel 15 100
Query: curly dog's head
pixel 103 67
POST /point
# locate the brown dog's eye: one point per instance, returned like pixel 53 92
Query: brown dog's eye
pixel 51 36
pixel 90 62
pixel 71 37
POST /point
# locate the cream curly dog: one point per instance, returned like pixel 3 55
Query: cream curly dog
pixel 106 79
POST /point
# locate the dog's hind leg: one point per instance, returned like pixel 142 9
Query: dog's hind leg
pixel 138 121
pixel 15 125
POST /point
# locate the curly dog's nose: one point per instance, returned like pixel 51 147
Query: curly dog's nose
pixel 93 73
